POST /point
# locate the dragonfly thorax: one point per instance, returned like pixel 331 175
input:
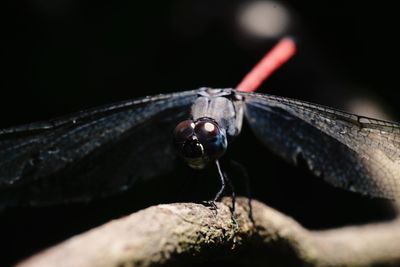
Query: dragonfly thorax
pixel 200 142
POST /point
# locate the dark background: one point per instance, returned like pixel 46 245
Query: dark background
pixel 63 56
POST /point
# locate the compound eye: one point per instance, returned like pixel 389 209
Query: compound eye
pixel 184 131
pixel 192 150
pixel 211 137
pixel 206 130
pixel 187 144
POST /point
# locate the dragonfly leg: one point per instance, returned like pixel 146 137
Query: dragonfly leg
pixel 221 176
pixel 245 175
pixel 211 203
pixel 233 195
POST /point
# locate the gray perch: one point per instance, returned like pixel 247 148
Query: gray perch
pixel 184 234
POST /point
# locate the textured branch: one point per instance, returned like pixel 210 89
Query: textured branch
pixel 182 234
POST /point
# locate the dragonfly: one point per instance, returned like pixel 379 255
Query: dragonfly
pixel 105 150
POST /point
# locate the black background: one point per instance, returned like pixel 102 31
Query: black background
pixel 63 56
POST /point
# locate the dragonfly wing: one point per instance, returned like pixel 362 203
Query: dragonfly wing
pixel 349 151
pixel 91 153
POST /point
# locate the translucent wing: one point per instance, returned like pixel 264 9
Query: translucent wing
pixel 92 153
pixel 349 151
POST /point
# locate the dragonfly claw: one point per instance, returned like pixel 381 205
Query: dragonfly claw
pixel 211 204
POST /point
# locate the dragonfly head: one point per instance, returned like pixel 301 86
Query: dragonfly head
pixel 200 142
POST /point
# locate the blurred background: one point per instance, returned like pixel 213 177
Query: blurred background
pixel 61 56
